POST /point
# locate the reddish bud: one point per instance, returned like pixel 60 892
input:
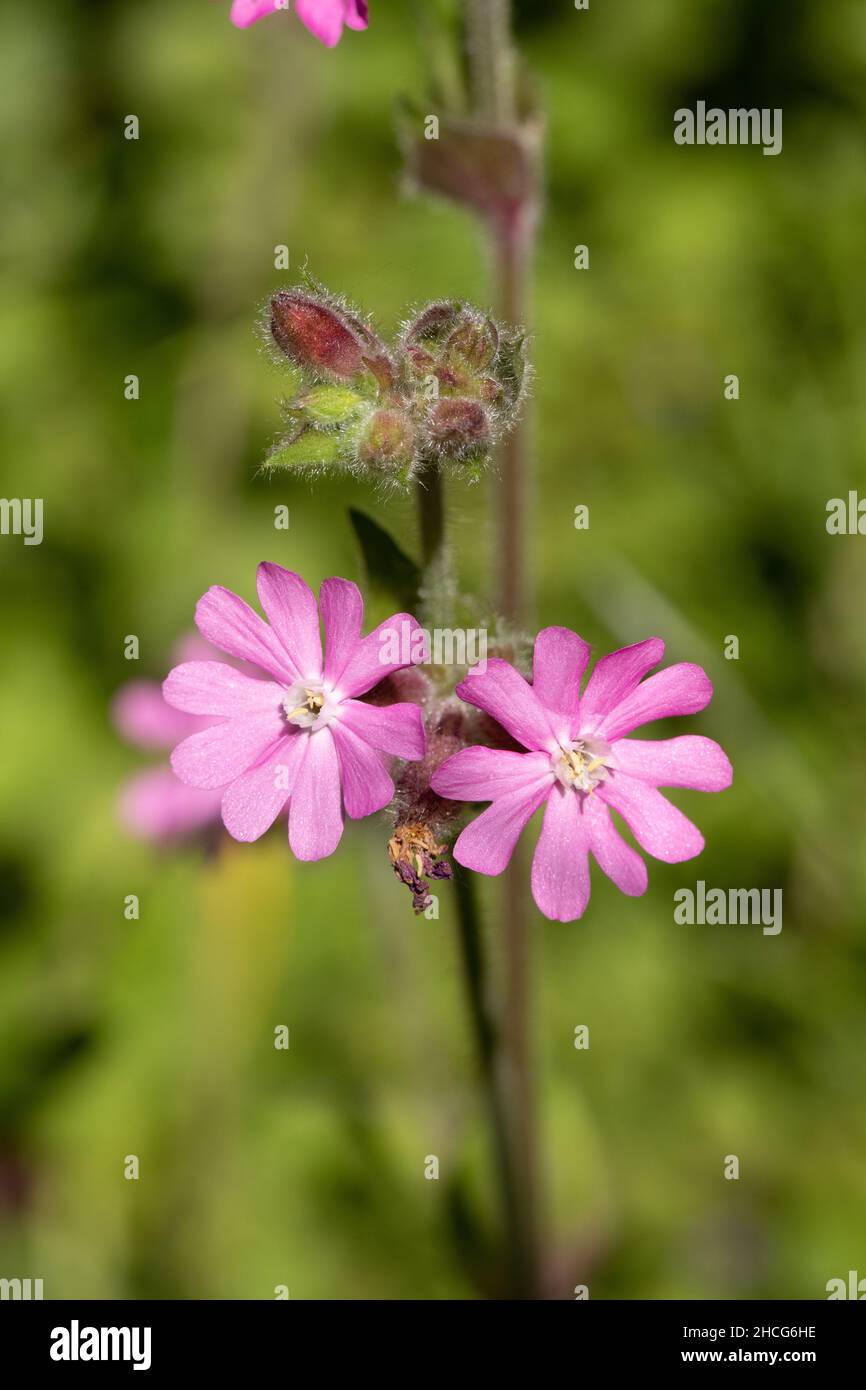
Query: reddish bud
pixel 314 335
pixel 476 341
pixel 434 323
pixel 458 425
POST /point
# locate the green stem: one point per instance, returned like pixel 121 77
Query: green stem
pixel 513 245
pixel 487 1042
pixel 491 55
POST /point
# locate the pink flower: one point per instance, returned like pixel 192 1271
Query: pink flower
pixel 154 805
pixel 324 18
pixel 302 736
pixel 580 766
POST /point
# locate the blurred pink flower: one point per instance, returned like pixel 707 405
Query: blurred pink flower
pixel 301 736
pixel 324 18
pixel 580 766
pixel 154 804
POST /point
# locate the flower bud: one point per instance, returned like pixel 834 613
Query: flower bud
pixel 458 426
pixel 434 323
pixel 314 335
pixel 387 441
pixel 475 341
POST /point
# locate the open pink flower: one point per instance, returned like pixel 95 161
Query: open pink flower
pixel 580 766
pixel 324 18
pixel 302 736
pixel 154 804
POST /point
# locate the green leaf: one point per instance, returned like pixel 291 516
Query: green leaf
pixel 309 450
pixel 388 569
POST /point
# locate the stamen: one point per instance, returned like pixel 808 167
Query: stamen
pixel 582 765
pixel 307 712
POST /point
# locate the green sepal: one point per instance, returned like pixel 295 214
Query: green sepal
pixel 312 449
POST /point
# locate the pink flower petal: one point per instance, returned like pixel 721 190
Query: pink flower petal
pixel 246 12
pixel 687 761
pixel 622 864
pixel 558 662
pixel 218 755
pixel 315 814
pixel 324 18
pixel 487 843
pixel 680 689
pixel 560 865
pixel 141 716
pixel 252 802
pixel 483 774
pixel 503 694
pixel 292 611
pixel 659 828
pixel 396 729
pixel 343 616
pixel 215 688
pixel 614 678
pixel 390 647
pixel 154 805
pixel 367 786
pixel 356 14
pixel 224 620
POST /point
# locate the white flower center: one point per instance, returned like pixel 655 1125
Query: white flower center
pixel 307 706
pixel 583 764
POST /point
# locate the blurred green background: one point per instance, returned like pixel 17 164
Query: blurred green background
pixel 155 1037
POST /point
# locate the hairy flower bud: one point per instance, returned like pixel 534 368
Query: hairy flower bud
pixel 314 335
pixel 387 441
pixel 434 323
pixel 475 341
pixel 458 426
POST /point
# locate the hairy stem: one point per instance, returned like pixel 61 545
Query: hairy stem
pixel 491 55
pixel 513 251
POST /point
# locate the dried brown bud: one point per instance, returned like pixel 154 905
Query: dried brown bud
pixel 416 857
